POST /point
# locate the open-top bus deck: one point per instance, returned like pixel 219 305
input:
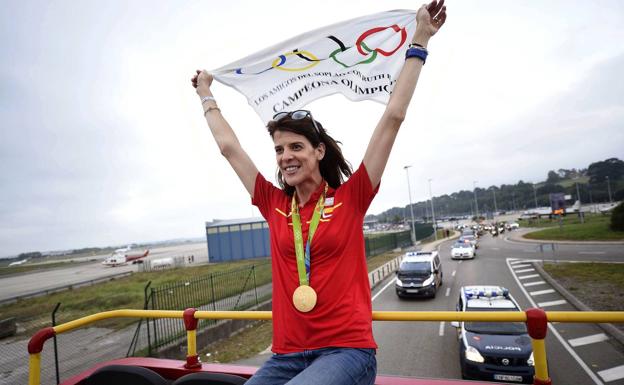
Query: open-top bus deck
pixel 157 371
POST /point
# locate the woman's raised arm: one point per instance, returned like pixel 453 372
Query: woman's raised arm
pixel 223 134
pixel 430 19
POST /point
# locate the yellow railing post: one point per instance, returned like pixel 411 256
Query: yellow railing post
pixel 537 325
pixel 190 323
pixel 34 369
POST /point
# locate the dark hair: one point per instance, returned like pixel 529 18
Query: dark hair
pixel 334 167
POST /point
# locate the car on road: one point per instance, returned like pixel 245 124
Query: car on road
pixel 493 351
pixel 419 274
pixel 462 250
pixel 470 239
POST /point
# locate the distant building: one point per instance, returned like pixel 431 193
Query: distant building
pixel 236 239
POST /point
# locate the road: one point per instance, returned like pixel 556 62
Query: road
pixel 23 284
pixel 431 349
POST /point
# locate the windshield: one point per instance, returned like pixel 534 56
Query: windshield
pixel 462 245
pixel 511 328
pixel 416 267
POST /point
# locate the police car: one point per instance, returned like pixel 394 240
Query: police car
pixel 419 274
pixel 462 250
pixel 493 351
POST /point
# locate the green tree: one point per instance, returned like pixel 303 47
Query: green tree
pixel 553 177
pixel 599 171
pixel 617 218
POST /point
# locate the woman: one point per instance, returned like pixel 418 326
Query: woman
pixel 322 329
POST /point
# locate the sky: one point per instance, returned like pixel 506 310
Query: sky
pixel 103 141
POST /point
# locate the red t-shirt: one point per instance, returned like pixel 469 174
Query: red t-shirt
pixel 338 273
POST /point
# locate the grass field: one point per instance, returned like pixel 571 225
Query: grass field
pixel 595 228
pixel 122 293
pixel 598 285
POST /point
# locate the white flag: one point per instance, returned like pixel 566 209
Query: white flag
pixel 359 58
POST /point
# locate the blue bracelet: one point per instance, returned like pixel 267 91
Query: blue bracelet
pixel 418 52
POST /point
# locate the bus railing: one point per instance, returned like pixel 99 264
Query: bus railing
pixel 535 319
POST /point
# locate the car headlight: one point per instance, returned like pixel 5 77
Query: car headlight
pixel 428 281
pixel 398 282
pixel 473 354
pixel 531 361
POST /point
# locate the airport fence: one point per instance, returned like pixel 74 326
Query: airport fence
pixel 232 290
pixel 378 243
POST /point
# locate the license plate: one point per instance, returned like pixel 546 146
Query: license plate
pixel 507 377
pixel 412 290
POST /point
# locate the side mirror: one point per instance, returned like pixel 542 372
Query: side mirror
pixel 455 324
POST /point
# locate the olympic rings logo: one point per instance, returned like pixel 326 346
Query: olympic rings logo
pixel 312 60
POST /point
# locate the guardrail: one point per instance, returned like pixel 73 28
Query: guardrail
pixel 535 319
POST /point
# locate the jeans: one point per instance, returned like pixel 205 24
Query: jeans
pixel 328 366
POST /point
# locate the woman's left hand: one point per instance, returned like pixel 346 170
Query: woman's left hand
pixel 431 17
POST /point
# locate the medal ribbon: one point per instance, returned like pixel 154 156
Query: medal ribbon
pixel 303 258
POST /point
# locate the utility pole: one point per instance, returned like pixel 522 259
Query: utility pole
pixel 474 185
pixel 609 189
pixel 435 229
pixel 409 193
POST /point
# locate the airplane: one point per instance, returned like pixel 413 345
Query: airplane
pixel 17 263
pixel 118 258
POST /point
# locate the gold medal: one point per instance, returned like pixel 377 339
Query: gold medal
pixel 304 298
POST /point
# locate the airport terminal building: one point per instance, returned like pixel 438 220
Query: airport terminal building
pixel 236 239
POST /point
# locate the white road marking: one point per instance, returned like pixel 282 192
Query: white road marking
pixel 534 283
pixel 592 252
pixel 528 276
pixel 554 331
pixel 612 374
pixel 517 262
pixel 383 288
pixel 525 270
pixel 453 274
pixel 267 350
pixel 441 332
pixel 448 291
pixel 460 261
pixel 552 303
pixel 520 266
pixel 588 340
pixel 541 292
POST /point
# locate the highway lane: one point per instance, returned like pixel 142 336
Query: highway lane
pixel 431 349
pixel 27 283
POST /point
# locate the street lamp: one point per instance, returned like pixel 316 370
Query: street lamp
pixel 609 189
pixel 535 196
pixel 409 193
pixel 474 185
pixel 435 230
pixel 578 196
pixel 495 208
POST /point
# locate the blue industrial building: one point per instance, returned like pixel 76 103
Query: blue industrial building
pixel 236 239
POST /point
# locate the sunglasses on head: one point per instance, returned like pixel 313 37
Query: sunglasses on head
pixel 296 115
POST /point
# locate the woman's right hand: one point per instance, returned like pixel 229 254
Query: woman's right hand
pixel 202 80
